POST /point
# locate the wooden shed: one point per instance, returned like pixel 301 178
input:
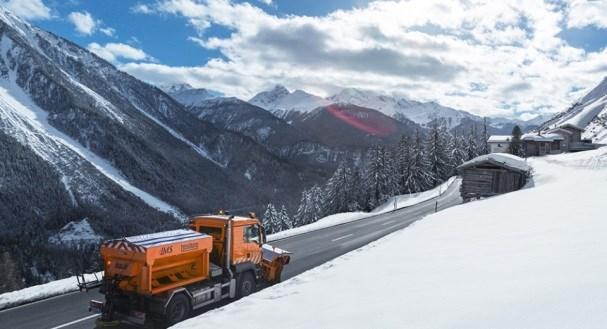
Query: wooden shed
pixel 492 174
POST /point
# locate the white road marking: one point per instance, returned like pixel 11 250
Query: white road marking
pixel 388 222
pixel 342 237
pixel 76 321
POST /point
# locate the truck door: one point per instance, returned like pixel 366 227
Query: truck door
pixel 252 243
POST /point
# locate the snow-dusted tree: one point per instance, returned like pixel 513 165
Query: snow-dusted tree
pixel 458 150
pixel 338 190
pixel 471 145
pixel 271 220
pixel 318 199
pixel 516 145
pixel 379 176
pixel 403 163
pixel 310 206
pixel 438 154
pixel 420 176
pixel 484 142
pixel 284 219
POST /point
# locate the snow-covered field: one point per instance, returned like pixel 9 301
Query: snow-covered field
pixel 402 201
pixel 42 291
pixel 535 258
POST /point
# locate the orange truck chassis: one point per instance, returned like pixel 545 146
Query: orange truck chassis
pixel 164 276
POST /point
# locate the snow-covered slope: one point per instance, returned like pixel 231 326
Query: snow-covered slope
pixel 485 264
pixel 589 113
pixel 281 101
pixel 76 233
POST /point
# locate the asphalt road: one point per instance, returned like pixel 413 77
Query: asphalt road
pixel 311 249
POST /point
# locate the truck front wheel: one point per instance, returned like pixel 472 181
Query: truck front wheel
pixel 178 309
pixel 246 284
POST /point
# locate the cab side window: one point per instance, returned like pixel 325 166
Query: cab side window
pixel 252 234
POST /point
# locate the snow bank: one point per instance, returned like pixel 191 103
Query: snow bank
pixel 534 258
pixel 407 200
pixel 34 293
pixel 403 201
pixel 324 222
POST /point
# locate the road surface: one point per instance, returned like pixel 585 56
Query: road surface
pixel 310 249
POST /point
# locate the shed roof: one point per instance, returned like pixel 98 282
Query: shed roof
pixel 550 137
pixel 504 160
pixel 499 138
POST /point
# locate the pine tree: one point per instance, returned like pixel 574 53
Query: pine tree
pixel 9 275
pixel 285 220
pixel 356 191
pixel 516 146
pixel 304 212
pixel 471 146
pixel 419 175
pixel 310 206
pixel 379 176
pixel 317 200
pixel 458 151
pixel 270 219
pixel 484 142
pixel 403 164
pixel 338 190
pixel 438 156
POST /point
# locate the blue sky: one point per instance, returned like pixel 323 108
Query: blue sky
pixel 164 37
pixel 530 57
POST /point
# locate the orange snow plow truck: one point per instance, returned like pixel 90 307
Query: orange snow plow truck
pixel 164 276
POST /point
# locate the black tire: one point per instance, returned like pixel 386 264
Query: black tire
pixel 245 285
pixel 178 309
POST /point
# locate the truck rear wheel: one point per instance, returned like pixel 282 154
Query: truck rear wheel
pixel 245 284
pixel 178 309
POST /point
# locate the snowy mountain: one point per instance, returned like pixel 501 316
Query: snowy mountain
pixel 589 113
pixel 281 101
pixel 279 137
pixel 188 95
pixel 418 112
pixel 82 139
pixel 288 104
pixel 353 127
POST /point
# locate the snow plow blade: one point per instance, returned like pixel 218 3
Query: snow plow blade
pixel 273 261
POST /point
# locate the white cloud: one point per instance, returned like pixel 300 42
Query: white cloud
pixel 86 24
pixel 110 32
pixel 584 13
pixel 28 9
pixel 112 52
pixel 425 49
pixel 83 22
pixel 141 8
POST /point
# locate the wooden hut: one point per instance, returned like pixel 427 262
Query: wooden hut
pixel 492 174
